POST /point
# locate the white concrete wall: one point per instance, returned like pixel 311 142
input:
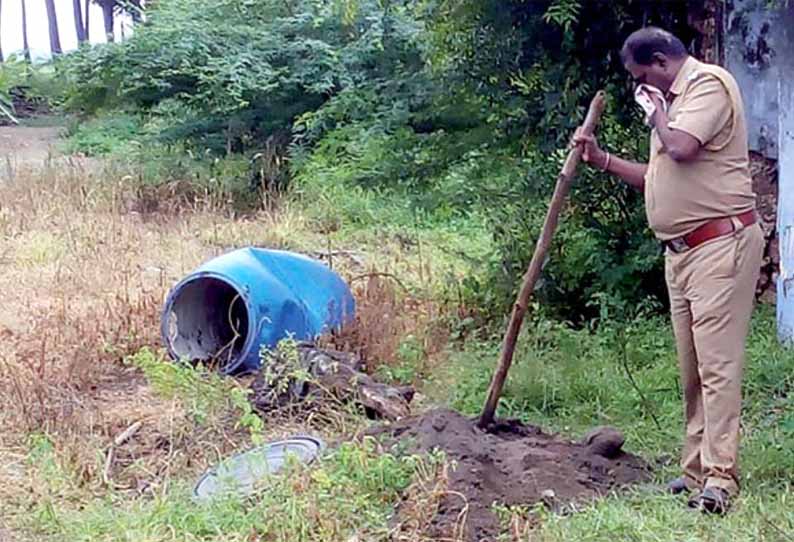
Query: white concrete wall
pixel 785 285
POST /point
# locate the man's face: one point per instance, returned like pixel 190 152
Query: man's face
pixel 654 74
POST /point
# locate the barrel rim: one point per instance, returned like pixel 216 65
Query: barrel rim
pixel 169 303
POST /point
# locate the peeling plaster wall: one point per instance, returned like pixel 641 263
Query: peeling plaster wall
pixel 755 46
pixel 759 50
pixel 741 35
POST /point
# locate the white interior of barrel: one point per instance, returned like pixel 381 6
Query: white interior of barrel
pixel 208 321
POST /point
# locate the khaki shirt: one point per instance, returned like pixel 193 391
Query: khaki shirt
pixel 680 196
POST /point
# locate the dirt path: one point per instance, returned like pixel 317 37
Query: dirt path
pixel 28 145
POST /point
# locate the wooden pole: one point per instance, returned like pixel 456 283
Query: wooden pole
pixel 564 181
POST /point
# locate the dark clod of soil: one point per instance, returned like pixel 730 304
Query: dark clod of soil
pixel 604 441
pixel 513 464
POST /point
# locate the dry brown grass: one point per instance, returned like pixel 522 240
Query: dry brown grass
pixel 83 276
pixel 421 503
pixel 387 313
pixel 86 259
pixel 85 262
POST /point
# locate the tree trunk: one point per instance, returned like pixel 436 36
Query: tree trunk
pixel 78 21
pixel 107 15
pixel 25 44
pixel 87 20
pixel 52 18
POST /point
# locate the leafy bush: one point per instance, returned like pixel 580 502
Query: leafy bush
pixel 9 79
pixel 456 108
pixel 36 84
pixel 104 135
pixel 504 89
pixel 242 70
pixel 537 67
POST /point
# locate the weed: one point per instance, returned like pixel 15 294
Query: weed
pixel 350 492
pixel 409 363
pixel 395 333
pixel 421 501
pixel 112 134
pixel 281 368
pixel 518 522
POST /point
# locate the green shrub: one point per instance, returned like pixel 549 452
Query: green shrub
pixel 35 83
pixel 206 395
pixel 104 135
pixel 245 69
pixel 456 111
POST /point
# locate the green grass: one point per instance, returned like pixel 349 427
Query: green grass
pixel 571 380
pixel 352 490
pixel 564 379
pixel 761 514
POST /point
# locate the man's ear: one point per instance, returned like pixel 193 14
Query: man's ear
pixel 661 59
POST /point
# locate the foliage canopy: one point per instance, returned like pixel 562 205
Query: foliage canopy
pixel 460 106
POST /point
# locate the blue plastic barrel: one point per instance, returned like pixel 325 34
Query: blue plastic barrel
pixel 227 309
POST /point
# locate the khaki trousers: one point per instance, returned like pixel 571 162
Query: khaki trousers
pixel 712 288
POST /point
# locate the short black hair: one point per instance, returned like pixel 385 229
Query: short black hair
pixel 641 45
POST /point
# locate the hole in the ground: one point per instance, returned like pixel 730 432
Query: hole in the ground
pixel 208 322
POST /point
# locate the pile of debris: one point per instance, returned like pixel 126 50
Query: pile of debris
pixel 317 372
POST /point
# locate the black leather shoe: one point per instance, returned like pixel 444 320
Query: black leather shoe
pixel 712 500
pixel 677 486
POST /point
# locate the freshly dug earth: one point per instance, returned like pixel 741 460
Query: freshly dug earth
pixel 512 464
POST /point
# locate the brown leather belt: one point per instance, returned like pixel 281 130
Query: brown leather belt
pixel 708 231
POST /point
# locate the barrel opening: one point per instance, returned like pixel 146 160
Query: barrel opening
pixel 208 322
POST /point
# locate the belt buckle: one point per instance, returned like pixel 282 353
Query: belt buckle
pixel 678 245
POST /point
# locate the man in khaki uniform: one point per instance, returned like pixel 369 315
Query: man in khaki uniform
pixel 700 205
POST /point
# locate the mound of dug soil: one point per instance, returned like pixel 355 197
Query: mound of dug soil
pixel 513 464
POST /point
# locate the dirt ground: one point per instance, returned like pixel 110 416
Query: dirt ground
pixel 84 272
pixel 23 144
pixel 511 464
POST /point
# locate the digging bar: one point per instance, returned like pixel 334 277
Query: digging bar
pixel 564 181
